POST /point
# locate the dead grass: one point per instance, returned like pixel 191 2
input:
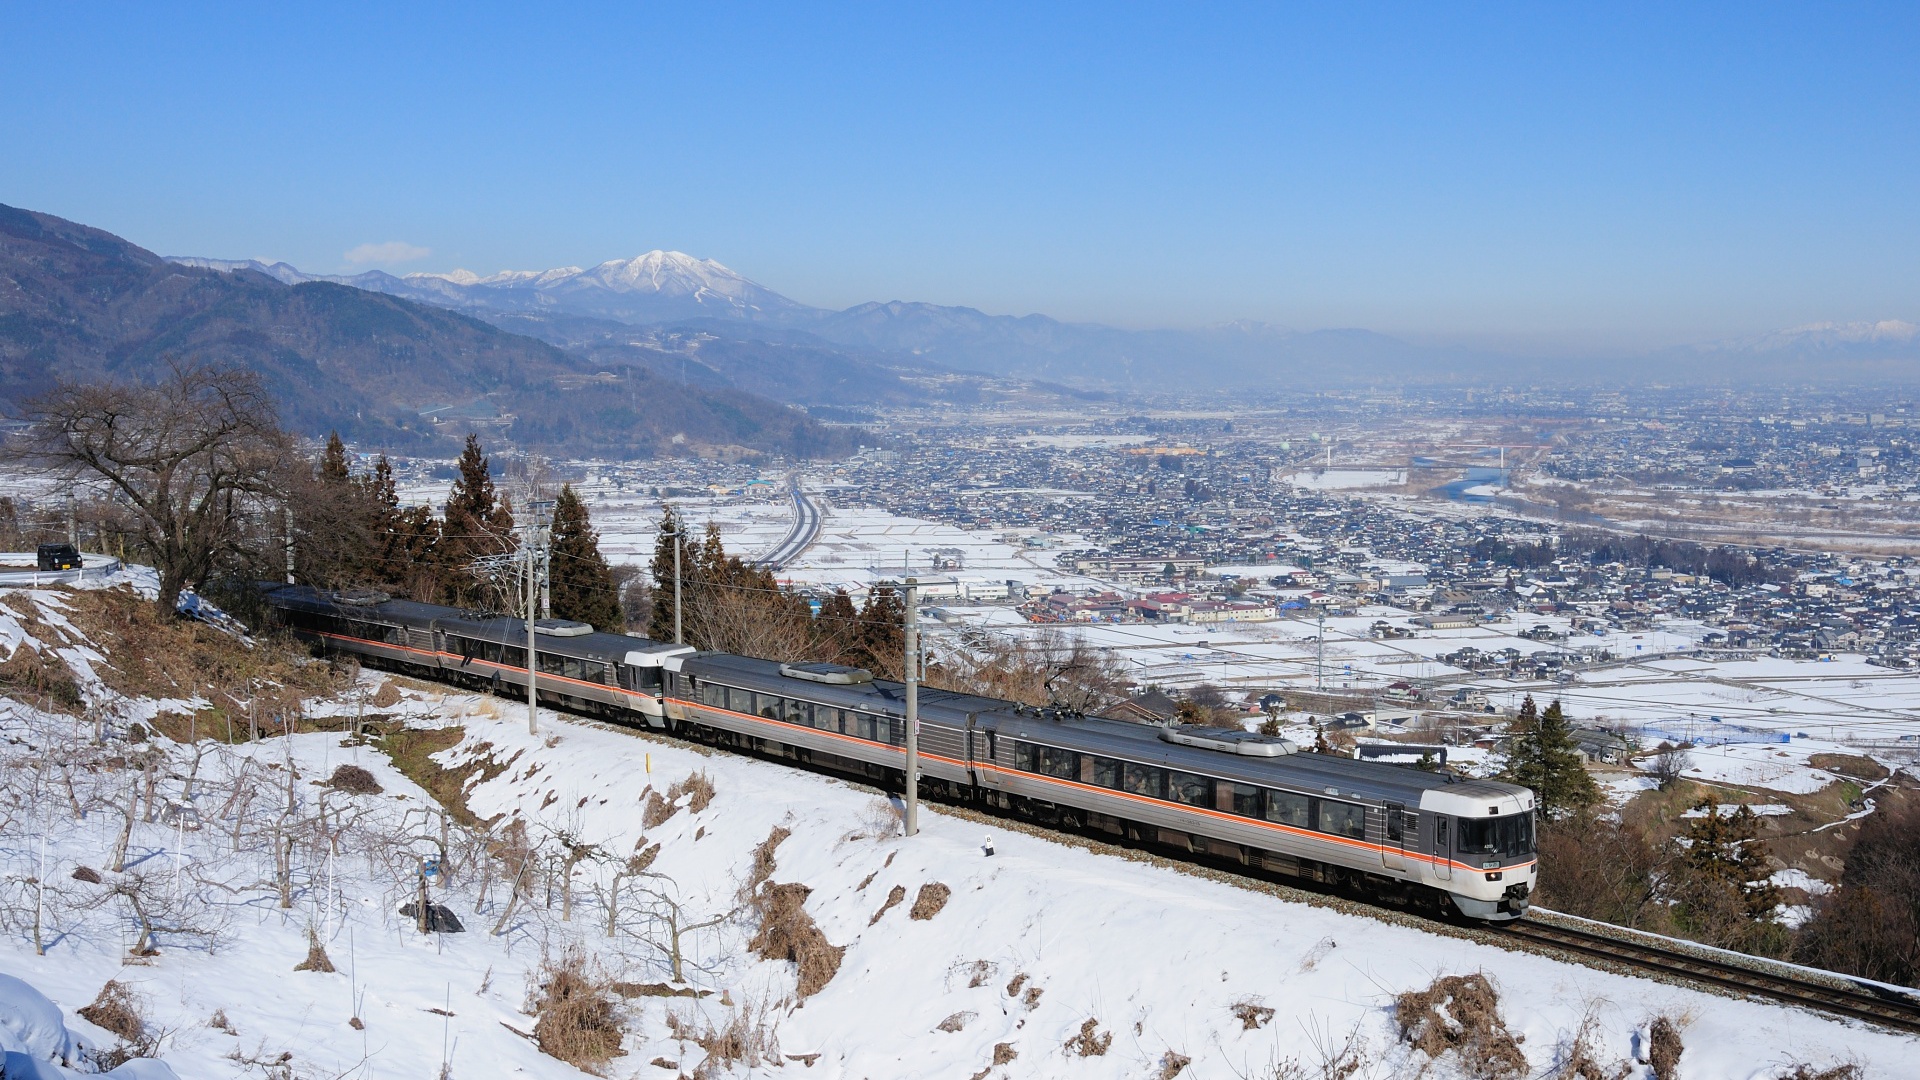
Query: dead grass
pixel 1090 1041
pixel 1461 1014
pixel 1846 1070
pixel 179 658
pixel 763 864
pixel 577 1020
pixel 958 1021
pixel 119 1010
pixel 656 811
pixel 697 784
pixel 412 751
pixel 1582 1060
pixel 1172 1065
pixel 33 675
pixel 1252 1016
pixel 317 959
pixel 386 697
pixel 787 932
pixel 1014 985
pixel 1857 766
pixel 355 780
pixel 895 897
pixel 1003 1054
pixel 1664 1048
pixel 933 897
pixel 748 1037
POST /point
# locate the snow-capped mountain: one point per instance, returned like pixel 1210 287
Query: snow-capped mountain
pixel 657 286
pixel 1894 333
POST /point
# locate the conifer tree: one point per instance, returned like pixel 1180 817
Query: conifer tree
pixel 1727 848
pixel 881 646
pixel 1543 755
pixel 334 468
pixel 582 585
pixel 477 523
pixel 660 627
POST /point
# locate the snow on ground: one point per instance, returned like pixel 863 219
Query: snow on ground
pixel 1155 957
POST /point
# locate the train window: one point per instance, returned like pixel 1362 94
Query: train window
pixel 1064 764
pixel 767 705
pixel 1289 809
pixel 897 732
pixel 801 712
pixel 1106 772
pixel 513 656
pixel 1343 819
pixel 1440 834
pixel 1145 780
pixel 1246 800
pixel 1190 788
pixel 1396 830
pixel 1507 837
pixel 1026 757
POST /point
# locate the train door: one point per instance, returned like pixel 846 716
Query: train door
pixel 1393 851
pixel 1442 848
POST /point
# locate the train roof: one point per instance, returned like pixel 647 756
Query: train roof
pixel 885 697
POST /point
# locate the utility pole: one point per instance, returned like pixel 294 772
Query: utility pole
pixel 679 638
pixel 912 635
pixel 536 537
pixel 1320 650
pixel 73 526
pixel 289 521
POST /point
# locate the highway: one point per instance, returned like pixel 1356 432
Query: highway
pixel 807 519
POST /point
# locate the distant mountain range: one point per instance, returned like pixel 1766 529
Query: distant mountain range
pixel 874 345
pixel 77 303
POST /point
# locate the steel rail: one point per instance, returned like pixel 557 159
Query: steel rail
pixel 1863 1001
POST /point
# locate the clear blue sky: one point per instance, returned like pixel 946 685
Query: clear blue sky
pixel 1536 172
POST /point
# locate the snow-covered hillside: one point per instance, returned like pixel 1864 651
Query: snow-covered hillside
pixel 836 947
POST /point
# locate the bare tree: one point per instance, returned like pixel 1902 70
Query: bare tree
pixel 192 458
pixel 1670 765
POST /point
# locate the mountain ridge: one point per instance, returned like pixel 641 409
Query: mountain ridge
pixel 79 303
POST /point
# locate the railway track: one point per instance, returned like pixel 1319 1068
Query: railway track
pixel 1823 992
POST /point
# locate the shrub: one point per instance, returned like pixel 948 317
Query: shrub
pixel 354 779
pixel 117 1009
pixel 1461 1014
pixel 1252 1017
pixel 656 811
pixel 747 1038
pixel 697 784
pixel 317 959
pixel 787 932
pixel 576 1018
pixel 1664 1048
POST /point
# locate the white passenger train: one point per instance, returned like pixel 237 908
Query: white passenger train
pixel 1228 794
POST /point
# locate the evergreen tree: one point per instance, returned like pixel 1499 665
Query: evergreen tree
pixel 582 585
pixel 1727 848
pixel 881 645
pixel 477 524
pixel 836 629
pixel 1542 754
pixel 660 626
pixel 333 462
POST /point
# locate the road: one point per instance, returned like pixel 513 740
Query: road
pixel 807 520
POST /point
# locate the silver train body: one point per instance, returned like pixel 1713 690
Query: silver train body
pixel 1226 794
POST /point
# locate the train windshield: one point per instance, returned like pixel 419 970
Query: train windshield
pixel 1506 837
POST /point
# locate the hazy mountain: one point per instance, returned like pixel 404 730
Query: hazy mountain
pixel 751 336
pixel 78 303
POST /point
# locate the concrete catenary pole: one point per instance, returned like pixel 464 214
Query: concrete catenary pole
pixel 679 637
pixel 533 664
pixel 912 636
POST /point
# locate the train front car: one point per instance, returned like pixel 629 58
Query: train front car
pixel 1481 850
